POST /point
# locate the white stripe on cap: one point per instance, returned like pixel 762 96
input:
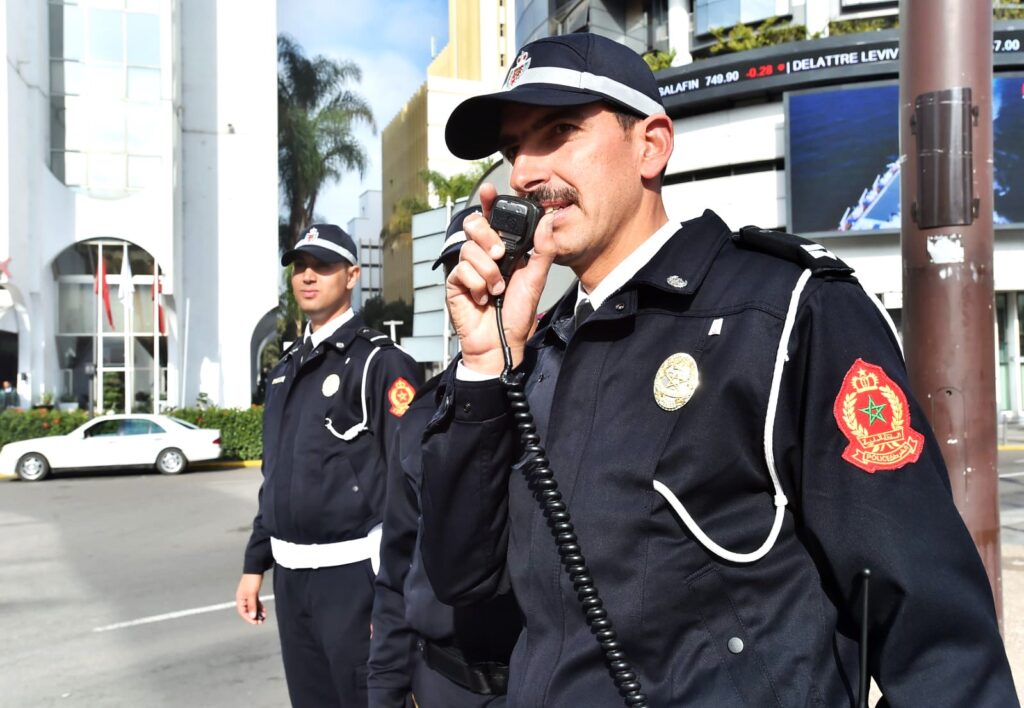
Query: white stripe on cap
pixel 457 237
pixel 330 246
pixel 591 82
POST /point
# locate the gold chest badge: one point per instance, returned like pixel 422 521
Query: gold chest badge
pixel 675 382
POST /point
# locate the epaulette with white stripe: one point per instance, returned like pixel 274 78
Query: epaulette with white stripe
pixel 377 339
pixel 805 253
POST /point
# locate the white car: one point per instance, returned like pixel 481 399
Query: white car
pixel 114 441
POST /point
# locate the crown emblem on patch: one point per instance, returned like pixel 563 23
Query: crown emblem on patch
pixel 864 381
pixel 312 234
pixel 517 70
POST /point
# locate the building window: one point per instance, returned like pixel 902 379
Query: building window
pixel 105 90
pixel 712 14
pixel 111 321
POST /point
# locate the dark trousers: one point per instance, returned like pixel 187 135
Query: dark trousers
pixel 432 690
pixel 323 618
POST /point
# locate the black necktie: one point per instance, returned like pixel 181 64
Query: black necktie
pixel 583 310
pixel 305 349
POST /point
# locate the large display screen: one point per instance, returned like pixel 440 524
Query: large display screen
pixel 843 158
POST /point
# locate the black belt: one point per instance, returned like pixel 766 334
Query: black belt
pixel 488 678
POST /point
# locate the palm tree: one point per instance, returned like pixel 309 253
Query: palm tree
pixel 316 113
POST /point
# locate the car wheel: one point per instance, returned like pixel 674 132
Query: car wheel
pixel 32 467
pixel 171 461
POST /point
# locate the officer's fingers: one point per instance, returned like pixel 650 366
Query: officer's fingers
pixel 466 279
pixel 488 193
pixel 543 237
pixel 473 256
pixel 479 231
pixel 245 605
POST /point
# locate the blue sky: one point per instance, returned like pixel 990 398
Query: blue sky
pixel 391 41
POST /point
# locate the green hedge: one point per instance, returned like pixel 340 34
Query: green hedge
pixel 241 429
pixel 17 424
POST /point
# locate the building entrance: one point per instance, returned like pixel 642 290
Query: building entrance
pixel 111 327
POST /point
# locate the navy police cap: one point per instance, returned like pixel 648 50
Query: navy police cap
pixel 567 70
pixel 325 242
pixel 454 237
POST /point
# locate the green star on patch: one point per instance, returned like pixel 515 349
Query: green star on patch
pixel 873 411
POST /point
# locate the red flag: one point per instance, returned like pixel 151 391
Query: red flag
pixel 101 281
pixel 158 287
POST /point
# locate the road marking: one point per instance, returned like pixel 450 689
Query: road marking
pixel 1011 474
pixel 173 615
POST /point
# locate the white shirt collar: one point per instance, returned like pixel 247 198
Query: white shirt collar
pixel 630 266
pixel 329 327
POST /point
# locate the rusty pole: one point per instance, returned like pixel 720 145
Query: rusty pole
pixel 947 241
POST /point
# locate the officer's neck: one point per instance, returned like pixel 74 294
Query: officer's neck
pixel 318 332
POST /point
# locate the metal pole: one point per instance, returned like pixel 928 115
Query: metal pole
pixel 947 242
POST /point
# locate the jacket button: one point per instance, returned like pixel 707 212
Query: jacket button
pixel 735 645
pixel 355 487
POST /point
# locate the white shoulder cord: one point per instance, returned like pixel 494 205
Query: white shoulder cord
pixel 352 432
pixel 769 454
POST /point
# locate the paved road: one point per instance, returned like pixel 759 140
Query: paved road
pixel 81 553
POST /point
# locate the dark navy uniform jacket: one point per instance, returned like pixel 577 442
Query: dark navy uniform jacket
pixel 318 488
pixel 405 608
pixel 678 607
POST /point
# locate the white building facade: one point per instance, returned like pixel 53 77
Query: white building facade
pixel 138 200
pixel 365 231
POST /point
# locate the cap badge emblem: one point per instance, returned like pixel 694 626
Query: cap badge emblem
pixel 312 234
pixel 675 382
pixel 330 385
pixel 517 70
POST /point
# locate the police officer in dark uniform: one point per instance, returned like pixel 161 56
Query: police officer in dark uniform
pixel 445 657
pixel 729 423
pixel 333 405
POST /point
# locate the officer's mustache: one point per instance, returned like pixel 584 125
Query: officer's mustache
pixel 566 195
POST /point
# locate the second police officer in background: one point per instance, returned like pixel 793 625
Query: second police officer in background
pixel 333 404
pixel 730 427
pixel 444 657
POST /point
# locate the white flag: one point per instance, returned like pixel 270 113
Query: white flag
pixel 126 290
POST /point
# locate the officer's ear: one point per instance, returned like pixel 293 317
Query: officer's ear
pixel 658 136
pixel 353 277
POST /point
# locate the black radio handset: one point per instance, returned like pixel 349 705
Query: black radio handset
pixel 515 220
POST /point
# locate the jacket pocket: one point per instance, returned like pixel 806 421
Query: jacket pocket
pixel 733 646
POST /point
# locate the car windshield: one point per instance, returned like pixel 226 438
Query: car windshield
pixel 183 423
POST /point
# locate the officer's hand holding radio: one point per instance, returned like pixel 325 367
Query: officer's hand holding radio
pixel 477 280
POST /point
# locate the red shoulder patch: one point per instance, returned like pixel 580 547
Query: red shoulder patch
pixel 873 414
pixel 400 396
